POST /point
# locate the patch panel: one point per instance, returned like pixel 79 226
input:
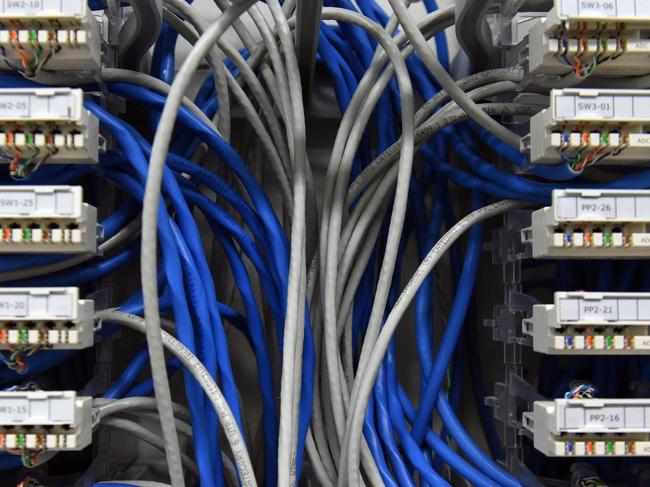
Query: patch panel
pixel 46 125
pixel 45 318
pixel 51 35
pixel 590 427
pixel 583 127
pixel 592 224
pixel 44 421
pixel 46 219
pixel 591 324
pixel 592 37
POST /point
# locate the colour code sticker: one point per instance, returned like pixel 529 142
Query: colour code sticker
pixel 13 305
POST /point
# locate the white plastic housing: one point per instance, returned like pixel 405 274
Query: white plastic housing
pixel 587 323
pixel 614 124
pixel 53 318
pixel 591 427
pixel 555 41
pixel 48 120
pixel 45 421
pixel 635 12
pixel 592 224
pixel 68 25
pixel 46 219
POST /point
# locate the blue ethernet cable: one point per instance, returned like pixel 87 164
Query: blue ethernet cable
pixel 375 447
pixel 9 462
pixel 146 388
pixel 265 372
pixel 262 205
pixel 84 274
pixel 423 304
pixel 401 410
pixel 304 422
pixel 227 154
pixel 121 386
pixel 248 215
pixel 396 415
pixel 385 430
pixel 385 417
pixel 447 346
pixel 442 49
pixel 183 325
pixel 467 445
pixel 449 455
pixel 169 184
pixel 305 428
pixel 452 331
pixel 212 210
pixel 206 349
pixel 184 328
pixel 416 456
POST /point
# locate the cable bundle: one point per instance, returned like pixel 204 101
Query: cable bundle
pixel 314 271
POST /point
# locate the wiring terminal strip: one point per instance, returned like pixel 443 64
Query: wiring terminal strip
pixel 592 224
pixel 591 324
pixel 38 421
pixel 46 219
pixel 584 38
pixel 45 319
pixel 50 35
pixel 583 127
pixel 46 125
pixel 590 427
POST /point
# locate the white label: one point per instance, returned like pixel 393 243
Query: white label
pixel 602 310
pixel 14 410
pixel 16 106
pixel 613 417
pixel 22 6
pixel 601 106
pixel 606 8
pixel 638 44
pixel 603 207
pixel 21 202
pixel 595 9
pixel 25 8
pixel 13 305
